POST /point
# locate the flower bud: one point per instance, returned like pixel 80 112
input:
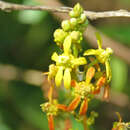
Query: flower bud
pixel 73 22
pixel 72 14
pixel 59 36
pixel 82 18
pixel 90 74
pixel 75 35
pixel 77 11
pixel 66 25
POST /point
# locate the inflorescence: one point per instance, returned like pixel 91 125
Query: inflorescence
pixel 83 83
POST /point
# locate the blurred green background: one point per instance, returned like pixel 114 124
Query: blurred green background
pixel 26 44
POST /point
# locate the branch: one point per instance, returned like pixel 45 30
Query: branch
pixel 5 6
pixel 120 50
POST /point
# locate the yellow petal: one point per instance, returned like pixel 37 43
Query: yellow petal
pixel 67 78
pixel 59 76
pixel 67 44
pixel 99 40
pixel 79 61
pixel 54 56
pixel 90 52
pixel 108 71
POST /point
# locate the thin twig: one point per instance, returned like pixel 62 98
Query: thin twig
pixel 120 50
pixel 5 6
pixel 85 123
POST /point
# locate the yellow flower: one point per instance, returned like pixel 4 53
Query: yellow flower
pixel 65 63
pixel 102 55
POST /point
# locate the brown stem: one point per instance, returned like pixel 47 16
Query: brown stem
pixel 85 123
pixel 90 14
pixel 50 91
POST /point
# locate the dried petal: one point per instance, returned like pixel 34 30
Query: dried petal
pixel 101 81
pixel 59 76
pixel 96 65
pixel 106 93
pixel 50 93
pixel 67 78
pixel 62 107
pixel 84 107
pixel 90 74
pixel 73 105
pixel 51 122
pixel 73 83
pixel 97 90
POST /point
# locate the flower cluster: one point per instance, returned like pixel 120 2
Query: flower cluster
pixel 120 125
pixel 83 84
